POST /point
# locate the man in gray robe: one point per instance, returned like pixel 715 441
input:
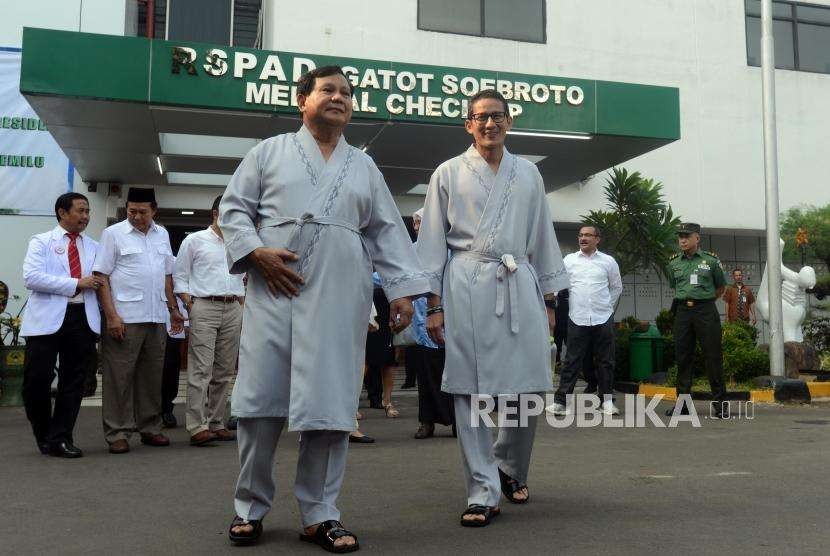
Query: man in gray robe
pixel 309 217
pixel 488 207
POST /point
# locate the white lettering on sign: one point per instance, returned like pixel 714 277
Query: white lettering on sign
pixel 217 64
pixel 301 66
pixel 272 68
pixel 411 96
pixel 242 62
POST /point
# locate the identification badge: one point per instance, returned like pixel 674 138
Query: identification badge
pixel 693 279
pixel 60 250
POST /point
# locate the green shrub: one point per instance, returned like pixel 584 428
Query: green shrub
pixel 825 361
pixel 621 354
pixel 665 322
pixel 817 332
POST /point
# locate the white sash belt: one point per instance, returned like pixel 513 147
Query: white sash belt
pixel 307 218
pixel 506 280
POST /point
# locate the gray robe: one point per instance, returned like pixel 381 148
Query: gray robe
pixel 302 357
pixel 494 317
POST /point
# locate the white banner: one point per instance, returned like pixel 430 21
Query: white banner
pixel 33 168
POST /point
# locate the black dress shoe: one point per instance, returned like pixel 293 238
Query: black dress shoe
pixel 65 449
pixel 425 431
pixel 365 439
pixel 168 420
pixel 43 446
pixel 407 386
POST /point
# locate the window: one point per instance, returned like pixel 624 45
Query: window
pixel 801 33
pixel 520 20
pixel 205 21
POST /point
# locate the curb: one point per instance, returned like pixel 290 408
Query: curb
pixel 818 391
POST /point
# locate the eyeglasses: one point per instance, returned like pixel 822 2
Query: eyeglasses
pixel 586 235
pixel 482 117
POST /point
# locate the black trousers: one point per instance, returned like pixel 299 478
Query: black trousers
pixel 581 340
pixel 170 373
pixel 411 363
pixel 699 323
pixel 74 342
pixel 434 406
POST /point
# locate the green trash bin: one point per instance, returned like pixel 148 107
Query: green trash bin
pixel 645 353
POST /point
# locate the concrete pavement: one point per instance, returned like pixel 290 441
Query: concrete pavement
pixel 740 487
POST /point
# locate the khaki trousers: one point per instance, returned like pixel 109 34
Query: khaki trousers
pixel 132 381
pixel 215 327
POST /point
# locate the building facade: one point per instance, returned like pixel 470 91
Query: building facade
pixel 704 49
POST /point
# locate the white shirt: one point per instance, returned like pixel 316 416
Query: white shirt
pixel 137 265
pixel 79 298
pixel 596 286
pixel 201 268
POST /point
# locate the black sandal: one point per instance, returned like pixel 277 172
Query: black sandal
pixel 509 487
pixel 245 538
pixel 328 532
pixel 489 512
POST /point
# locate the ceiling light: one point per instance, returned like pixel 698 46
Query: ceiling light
pixel 158 162
pixel 191 178
pixel 186 144
pixel 534 158
pixel 581 136
pixel 188 212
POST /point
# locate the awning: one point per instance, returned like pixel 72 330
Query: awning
pixel 134 110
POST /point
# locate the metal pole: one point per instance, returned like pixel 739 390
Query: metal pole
pixel 776 340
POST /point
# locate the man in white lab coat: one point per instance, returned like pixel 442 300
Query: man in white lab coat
pixel 61 318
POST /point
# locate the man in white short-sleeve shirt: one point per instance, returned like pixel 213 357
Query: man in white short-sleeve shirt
pixel 214 299
pixel 136 262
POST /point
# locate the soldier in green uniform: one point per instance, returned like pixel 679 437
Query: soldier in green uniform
pixel 697 279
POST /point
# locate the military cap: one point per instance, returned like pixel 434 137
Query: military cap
pixel 688 228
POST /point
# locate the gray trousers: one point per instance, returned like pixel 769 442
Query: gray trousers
pixel 132 381
pixel 481 458
pixel 320 469
pixel 213 347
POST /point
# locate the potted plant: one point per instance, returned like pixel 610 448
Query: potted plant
pixel 12 359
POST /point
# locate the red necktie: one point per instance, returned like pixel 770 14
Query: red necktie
pixel 74 257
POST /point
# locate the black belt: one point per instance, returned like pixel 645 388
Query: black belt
pixel 693 302
pixel 222 298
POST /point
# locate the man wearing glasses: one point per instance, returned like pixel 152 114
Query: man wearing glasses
pixel 596 286
pixel 488 207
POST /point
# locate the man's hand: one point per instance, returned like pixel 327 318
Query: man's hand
pixel 435 328
pixel 400 313
pixel 176 321
pixel 116 328
pixel 90 283
pixel 551 319
pixel 271 262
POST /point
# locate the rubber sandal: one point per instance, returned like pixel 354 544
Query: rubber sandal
pixel 489 513
pixel 391 411
pixel 509 487
pixel 245 538
pixel 328 532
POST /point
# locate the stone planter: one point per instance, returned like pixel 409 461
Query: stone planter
pixel 11 375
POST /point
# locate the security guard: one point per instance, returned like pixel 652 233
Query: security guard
pixel 697 279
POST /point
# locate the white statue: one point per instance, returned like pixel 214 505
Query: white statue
pixel 793 297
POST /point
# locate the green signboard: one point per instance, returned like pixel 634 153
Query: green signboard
pixel 204 75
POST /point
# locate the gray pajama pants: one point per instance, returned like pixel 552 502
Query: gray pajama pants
pixel 481 458
pixel 320 469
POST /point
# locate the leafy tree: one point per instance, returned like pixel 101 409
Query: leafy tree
pixel 640 229
pixel 816 221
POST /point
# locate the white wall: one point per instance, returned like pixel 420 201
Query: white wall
pixel 713 175
pixel 95 16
